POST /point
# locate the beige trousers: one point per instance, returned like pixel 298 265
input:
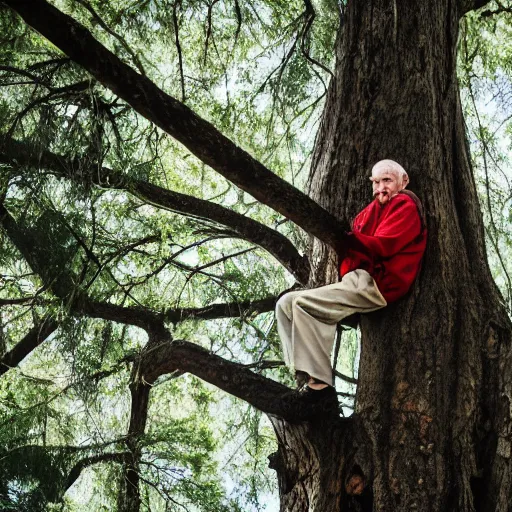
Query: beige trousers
pixel 306 320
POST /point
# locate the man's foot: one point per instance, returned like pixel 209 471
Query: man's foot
pixel 309 404
pixel 304 381
pixel 316 384
pixel 313 395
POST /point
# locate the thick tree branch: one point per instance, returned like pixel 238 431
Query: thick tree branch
pixel 175 118
pixel 236 379
pixel 15 152
pixel 152 321
pixel 140 317
pixel 76 470
pixel 29 342
pixel 228 310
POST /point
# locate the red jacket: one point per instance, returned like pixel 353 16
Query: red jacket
pixel 388 242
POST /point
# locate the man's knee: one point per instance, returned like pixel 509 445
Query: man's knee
pixel 302 302
pixel 292 301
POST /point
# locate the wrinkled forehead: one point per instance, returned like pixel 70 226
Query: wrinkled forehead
pixel 389 167
pixel 379 174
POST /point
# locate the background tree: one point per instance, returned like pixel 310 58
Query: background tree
pixel 131 266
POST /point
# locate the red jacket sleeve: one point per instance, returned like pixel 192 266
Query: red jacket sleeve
pixel 399 228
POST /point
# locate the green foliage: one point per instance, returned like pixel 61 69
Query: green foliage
pixel 246 67
pixel 486 80
pixel 73 390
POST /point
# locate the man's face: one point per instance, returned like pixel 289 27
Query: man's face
pixel 385 185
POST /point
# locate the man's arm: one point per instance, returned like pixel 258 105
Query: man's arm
pixel 401 226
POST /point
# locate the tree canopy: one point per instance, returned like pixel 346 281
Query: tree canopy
pixel 154 161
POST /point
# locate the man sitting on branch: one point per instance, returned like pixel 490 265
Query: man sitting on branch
pixel 382 256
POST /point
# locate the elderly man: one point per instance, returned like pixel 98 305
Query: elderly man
pixel 383 256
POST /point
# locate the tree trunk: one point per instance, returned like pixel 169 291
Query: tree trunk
pixel 432 428
pixel 129 499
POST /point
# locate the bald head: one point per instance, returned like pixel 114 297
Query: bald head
pixel 392 167
pixel 388 178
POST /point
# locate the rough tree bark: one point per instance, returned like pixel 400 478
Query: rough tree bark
pixel 432 427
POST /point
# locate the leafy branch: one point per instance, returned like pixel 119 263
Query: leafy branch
pixel 198 135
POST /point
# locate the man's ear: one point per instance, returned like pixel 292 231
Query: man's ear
pixel 405 181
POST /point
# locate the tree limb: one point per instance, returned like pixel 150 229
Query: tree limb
pixel 16 301
pixel 232 309
pixel 129 493
pixel 144 318
pixel 175 118
pixel 29 342
pixel 13 151
pixel 76 470
pixel 166 356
